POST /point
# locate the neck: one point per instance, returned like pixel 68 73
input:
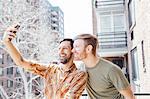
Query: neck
pixel 67 66
pixel 91 61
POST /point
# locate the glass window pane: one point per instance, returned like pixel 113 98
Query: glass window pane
pixel 119 23
pixel 105 23
pixel 1 71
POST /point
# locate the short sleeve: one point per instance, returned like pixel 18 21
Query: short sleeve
pixel 117 78
pixel 37 69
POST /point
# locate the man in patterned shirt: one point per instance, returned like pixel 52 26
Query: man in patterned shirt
pixel 61 82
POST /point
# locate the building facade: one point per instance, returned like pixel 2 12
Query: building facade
pixel 139 43
pixel 122 29
pixel 112 31
pixel 57 21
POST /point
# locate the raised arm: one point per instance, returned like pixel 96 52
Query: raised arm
pixel 10 34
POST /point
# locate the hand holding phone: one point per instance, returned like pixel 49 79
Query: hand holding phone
pixel 10 33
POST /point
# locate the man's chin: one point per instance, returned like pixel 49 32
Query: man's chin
pixel 64 61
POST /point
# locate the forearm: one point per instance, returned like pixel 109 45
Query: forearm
pixel 13 52
pixel 127 93
pixel 19 61
pixel 130 97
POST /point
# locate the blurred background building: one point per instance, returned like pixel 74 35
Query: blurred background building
pixel 123 33
pixel 42 27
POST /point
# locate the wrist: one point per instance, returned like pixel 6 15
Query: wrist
pixel 5 42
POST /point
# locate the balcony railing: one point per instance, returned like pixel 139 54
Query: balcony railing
pixel 109 5
pixel 137 95
pixel 100 3
pixel 112 40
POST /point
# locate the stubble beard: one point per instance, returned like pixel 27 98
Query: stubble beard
pixel 65 60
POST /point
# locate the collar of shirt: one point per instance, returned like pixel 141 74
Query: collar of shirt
pixel 70 69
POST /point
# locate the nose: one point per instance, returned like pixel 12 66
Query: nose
pixel 60 50
pixel 72 50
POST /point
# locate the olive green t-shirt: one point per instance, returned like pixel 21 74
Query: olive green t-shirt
pixel 105 79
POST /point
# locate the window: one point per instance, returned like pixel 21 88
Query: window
pixel 135 67
pixel 119 23
pixel 17 71
pixel 112 22
pixel 9 83
pixel 2 83
pixel 132 35
pixel 105 23
pixel 131 7
pixel 1 71
pixel 10 71
pixel 118 62
pixel 143 55
pixel 2 58
pixel 9 59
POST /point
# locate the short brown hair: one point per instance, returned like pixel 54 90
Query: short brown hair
pixel 89 40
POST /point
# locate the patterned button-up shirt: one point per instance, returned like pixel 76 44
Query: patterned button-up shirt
pixel 61 84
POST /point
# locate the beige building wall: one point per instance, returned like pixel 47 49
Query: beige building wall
pixel 142 33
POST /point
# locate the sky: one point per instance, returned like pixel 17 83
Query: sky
pixel 77 16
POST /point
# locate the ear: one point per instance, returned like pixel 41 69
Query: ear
pixel 89 49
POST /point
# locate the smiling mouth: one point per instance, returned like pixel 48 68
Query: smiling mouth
pixel 62 55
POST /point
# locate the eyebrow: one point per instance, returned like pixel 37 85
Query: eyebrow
pixel 66 47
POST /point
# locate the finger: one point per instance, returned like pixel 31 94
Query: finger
pixel 13 33
pixel 10 38
pixel 11 29
pixel 81 78
pixel 69 79
pixel 14 27
pixel 64 89
pixel 78 76
pixel 79 83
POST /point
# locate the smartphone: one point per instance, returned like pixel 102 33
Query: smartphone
pixel 17 26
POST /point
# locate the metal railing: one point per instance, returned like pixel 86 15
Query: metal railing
pixel 100 3
pixel 140 95
pixel 112 40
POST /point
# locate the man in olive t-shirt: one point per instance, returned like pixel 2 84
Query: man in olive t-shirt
pixel 105 81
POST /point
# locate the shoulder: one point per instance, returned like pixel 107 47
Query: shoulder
pixel 109 65
pixel 115 72
pixel 52 68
